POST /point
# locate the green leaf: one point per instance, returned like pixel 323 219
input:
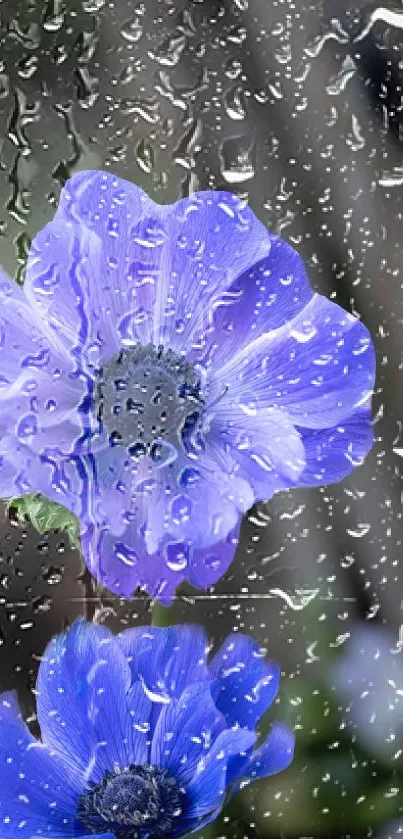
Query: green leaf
pixel 45 515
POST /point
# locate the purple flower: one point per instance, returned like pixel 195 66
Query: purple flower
pixel 140 737
pixel 368 676
pixel 393 830
pixel 163 368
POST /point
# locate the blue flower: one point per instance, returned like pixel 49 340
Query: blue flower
pixel 163 368
pixel 141 738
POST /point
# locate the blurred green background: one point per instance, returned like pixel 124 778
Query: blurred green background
pixel 298 108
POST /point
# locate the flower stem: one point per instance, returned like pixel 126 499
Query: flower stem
pixel 162 615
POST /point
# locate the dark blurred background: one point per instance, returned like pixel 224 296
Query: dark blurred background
pixel 298 108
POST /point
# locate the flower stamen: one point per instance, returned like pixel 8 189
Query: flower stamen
pixel 132 803
pixel 147 394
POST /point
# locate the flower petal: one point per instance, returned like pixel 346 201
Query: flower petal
pixel 266 446
pixel 332 453
pixel 275 754
pixel 140 708
pixel 117 267
pixel 161 528
pixel 22 471
pixel 189 501
pixel 23 333
pixel 38 386
pixel 193 502
pixel 16 477
pixel 246 684
pixel 38 791
pixel 318 369
pixel 207 506
pixel 82 708
pixel 263 298
pixel 92 264
pixel 122 565
pixel 207 565
pixel 206 790
pixel 165 660
pixel 212 239
pixel 368 681
pixel 185 731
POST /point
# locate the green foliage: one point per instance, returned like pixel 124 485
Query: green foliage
pixel 45 515
pixel 333 791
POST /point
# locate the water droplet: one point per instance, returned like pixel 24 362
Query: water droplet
pixel 347 71
pixel 189 477
pixel 125 554
pixel 93 6
pixel 235 104
pixel 177 555
pixel 128 327
pixel 27 428
pixel 304 333
pixel 299 599
pixel 4 85
pixel 237 155
pixel 132 30
pixel 87 87
pixel 53 18
pixel 181 508
pixel 53 576
pixel 169 51
pixel 361 530
pixel 145 156
pixel 163 454
pixel 237 35
pixel 147 109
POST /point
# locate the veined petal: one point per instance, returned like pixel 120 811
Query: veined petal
pixel 207 789
pixel 141 708
pixel 246 684
pixel 82 708
pixel 165 660
pixel 38 384
pixel 185 732
pixel 263 298
pixel 23 333
pixel 197 501
pixel 38 790
pixel 212 239
pixel 123 269
pixel 267 448
pixel 22 471
pixel 319 369
pixel 166 525
pixel 121 565
pixel 90 266
pixel 332 453
pixel 275 754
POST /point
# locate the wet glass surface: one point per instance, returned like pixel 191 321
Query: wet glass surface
pixel 297 108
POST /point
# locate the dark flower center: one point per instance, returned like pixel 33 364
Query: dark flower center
pixel 133 803
pixel 146 397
